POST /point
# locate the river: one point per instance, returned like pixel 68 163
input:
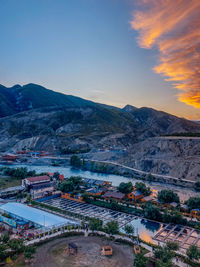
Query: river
pixel 184 193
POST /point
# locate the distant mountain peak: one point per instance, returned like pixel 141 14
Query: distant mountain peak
pixel 129 108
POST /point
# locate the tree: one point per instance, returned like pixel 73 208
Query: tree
pixel 76 161
pixel 129 229
pixel 168 196
pixel 115 205
pixel 5 238
pixel 112 228
pixel 193 202
pixel 125 188
pixel 86 197
pixel 17 245
pixel 193 253
pixel 172 245
pixel 163 256
pixel 140 260
pixel 96 224
pixel 29 251
pixel 197 186
pixel 152 212
pixel 71 184
pixel 146 191
pixel 56 175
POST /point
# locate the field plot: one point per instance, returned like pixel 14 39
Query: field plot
pixel 184 236
pixel 91 211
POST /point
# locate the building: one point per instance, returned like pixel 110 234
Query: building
pixel 173 205
pixel 135 195
pixel 114 195
pixel 184 207
pixel 91 182
pixel 27 182
pixel 41 190
pixel 9 157
pixel 147 198
pixel 95 191
pixel 69 195
pixel 34 218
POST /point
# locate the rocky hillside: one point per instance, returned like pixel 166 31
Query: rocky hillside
pixel 33 117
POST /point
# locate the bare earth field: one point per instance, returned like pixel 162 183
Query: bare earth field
pixel 55 254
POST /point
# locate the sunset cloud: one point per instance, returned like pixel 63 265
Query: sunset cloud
pixel 173 27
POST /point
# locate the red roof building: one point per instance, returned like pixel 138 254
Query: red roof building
pixel 10 157
pixel 35 180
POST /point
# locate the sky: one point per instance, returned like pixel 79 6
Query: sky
pixel 118 52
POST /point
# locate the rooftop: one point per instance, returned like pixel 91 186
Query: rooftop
pixel 113 194
pixel 36 216
pixel 38 178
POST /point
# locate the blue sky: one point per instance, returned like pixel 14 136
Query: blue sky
pixel 85 48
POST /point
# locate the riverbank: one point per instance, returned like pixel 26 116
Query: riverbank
pixel 184 193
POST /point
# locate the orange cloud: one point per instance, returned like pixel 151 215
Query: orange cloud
pixel 173 26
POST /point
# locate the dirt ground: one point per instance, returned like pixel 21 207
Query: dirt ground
pixel 55 254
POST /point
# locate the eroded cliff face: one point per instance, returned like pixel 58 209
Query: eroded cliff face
pixel 174 156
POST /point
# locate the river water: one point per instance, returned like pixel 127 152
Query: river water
pixel 184 193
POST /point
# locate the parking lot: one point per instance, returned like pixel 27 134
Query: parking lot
pixel 91 211
pixel 184 236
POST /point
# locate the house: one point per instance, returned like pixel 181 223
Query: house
pixel 61 177
pixel 135 195
pixel 114 195
pixel 184 207
pixel 95 191
pixel 173 205
pixel 40 190
pixel 195 212
pixel 27 182
pixel 76 197
pixel 147 198
pixel 9 157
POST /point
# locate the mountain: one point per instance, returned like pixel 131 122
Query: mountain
pixel 21 98
pixel 33 117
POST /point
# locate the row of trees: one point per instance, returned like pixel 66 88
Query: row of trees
pixel 163 256
pixel 111 227
pixel 71 184
pixel 14 247
pixel 19 173
pixel 127 188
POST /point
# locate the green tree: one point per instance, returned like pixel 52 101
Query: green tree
pixel 193 253
pixel 112 228
pixel 129 229
pixel 125 187
pixel 29 251
pixel 56 175
pixel 17 245
pixel 193 202
pixel 163 256
pixel 140 260
pixel 76 161
pixel 197 186
pixel 115 205
pixel 143 188
pixel 95 224
pixel 152 212
pixel 168 196
pixel 86 197
pixel 172 245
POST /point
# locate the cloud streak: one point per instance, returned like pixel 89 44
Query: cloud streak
pixel 173 27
